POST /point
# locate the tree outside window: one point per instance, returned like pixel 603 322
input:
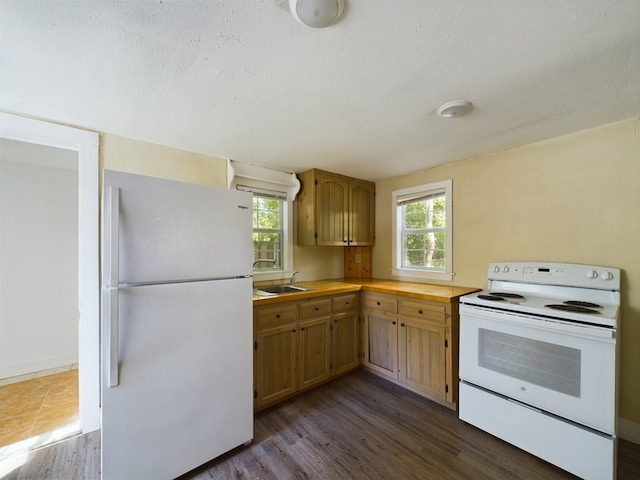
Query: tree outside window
pixel 424 224
pixel 267 233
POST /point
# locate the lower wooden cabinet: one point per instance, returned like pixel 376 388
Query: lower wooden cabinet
pixel 298 345
pixel 410 341
pixel 314 362
pixel 421 362
pixel 381 343
pixel 345 342
pixel 274 369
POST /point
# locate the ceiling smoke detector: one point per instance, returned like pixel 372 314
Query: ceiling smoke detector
pixel 456 108
pixel 316 13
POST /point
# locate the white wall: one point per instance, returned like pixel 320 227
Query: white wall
pixel 38 258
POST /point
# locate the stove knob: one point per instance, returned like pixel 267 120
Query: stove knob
pixel 592 274
pixel 606 276
pixel 505 269
pixel 496 269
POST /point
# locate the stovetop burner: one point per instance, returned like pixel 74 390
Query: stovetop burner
pixel 507 295
pixel 571 308
pixel 491 297
pixel 579 303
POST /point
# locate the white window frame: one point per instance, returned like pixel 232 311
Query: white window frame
pixel 397 269
pixel 260 178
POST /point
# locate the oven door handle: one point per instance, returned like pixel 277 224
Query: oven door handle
pixel 540 323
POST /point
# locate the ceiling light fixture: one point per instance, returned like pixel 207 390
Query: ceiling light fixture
pixel 455 108
pixel 316 13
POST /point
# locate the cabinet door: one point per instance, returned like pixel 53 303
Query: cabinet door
pixel 381 343
pixel 331 209
pixel 275 372
pixel 422 356
pixel 344 337
pixel 315 348
pixel 361 213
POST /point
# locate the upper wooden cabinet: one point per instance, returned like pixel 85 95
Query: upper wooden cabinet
pixel 335 210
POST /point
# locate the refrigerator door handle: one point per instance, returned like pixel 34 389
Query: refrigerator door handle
pixel 111 274
pixel 111 234
pixel 111 315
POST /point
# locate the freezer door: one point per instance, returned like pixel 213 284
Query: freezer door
pixel 184 394
pixel 167 230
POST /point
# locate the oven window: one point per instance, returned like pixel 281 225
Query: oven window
pixel 545 364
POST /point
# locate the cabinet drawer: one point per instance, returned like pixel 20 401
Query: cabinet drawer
pixel 314 308
pixel 275 315
pixel 418 309
pixel 381 303
pixel 345 302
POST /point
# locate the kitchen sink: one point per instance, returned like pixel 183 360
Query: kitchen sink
pixel 279 289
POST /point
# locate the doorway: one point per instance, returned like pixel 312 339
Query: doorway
pixel 38 293
pixel 72 153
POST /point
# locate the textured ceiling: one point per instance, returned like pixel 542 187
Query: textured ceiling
pixel 242 79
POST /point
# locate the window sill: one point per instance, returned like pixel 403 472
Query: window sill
pixel 421 275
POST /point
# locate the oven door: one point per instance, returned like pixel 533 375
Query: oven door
pixel 556 366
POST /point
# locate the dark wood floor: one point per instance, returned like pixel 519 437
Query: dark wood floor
pixel 358 426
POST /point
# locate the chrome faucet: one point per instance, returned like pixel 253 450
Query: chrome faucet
pixel 292 279
pixel 264 260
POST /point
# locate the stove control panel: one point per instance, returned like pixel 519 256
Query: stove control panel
pixel 544 272
pixel 550 273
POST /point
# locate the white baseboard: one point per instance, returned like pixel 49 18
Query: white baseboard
pixel 37 366
pixel 629 430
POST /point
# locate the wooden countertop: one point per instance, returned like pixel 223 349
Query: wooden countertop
pixel 424 291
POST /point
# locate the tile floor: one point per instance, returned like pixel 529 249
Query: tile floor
pixel 34 407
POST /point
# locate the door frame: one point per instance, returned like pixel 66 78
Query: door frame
pixel 86 144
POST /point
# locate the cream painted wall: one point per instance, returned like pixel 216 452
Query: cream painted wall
pixel 133 156
pixel 318 263
pixel 573 199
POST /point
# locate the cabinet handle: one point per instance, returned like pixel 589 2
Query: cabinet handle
pixel 420 312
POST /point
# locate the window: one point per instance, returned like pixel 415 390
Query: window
pixel 268 229
pixel 422 231
pixel 273 194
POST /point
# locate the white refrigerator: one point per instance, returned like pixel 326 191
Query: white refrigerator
pixel 177 361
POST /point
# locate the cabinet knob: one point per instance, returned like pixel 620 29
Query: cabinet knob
pixel 420 312
pixel 393 322
pixel 347 303
pixel 402 324
pixel 301 329
pixel 378 303
pixel 277 315
pixel 317 308
pixel 293 330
